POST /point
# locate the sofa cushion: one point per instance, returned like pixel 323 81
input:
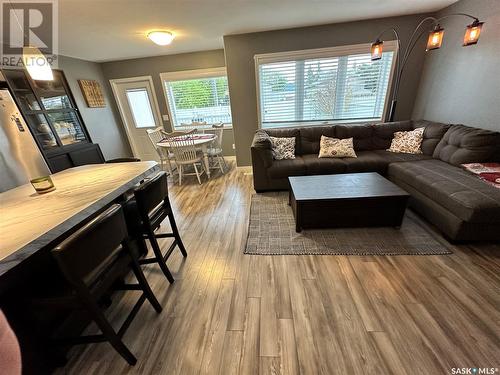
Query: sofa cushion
pixel 287 133
pixel 391 157
pixel 433 133
pixel 315 165
pixel 367 161
pixel 462 144
pixel 383 133
pixel 287 167
pixel 460 192
pixel 361 134
pixel 311 136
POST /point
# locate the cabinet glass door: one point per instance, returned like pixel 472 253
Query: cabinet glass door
pixel 68 127
pixel 41 130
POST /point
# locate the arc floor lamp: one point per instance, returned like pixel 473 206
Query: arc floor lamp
pixel 434 41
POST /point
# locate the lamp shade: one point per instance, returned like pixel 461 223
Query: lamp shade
pixel 472 33
pixel 36 64
pixel 435 38
pixel 376 50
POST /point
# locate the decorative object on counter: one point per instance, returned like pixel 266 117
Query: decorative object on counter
pixel 43 185
pixel 91 90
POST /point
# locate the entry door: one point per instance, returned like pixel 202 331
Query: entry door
pixel 139 111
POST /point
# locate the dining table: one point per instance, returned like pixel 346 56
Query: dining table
pixel 201 141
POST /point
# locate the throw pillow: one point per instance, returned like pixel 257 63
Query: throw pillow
pixel 336 148
pixel 283 148
pixel 407 142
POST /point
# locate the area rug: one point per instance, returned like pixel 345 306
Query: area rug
pixel 272 232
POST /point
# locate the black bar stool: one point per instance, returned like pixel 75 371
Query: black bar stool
pixel 146 213
pixel 91 260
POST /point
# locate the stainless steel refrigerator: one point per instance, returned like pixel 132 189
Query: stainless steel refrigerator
pixel 20 158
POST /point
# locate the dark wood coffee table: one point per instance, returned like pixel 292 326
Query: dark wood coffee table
pixel 346 200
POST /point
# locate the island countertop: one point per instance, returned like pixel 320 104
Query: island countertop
pixel 30 221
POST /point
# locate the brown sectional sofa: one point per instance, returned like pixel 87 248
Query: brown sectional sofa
pixel 463 207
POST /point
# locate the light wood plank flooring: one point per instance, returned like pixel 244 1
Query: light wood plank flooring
pixel 230 313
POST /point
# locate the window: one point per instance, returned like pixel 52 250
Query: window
pixel 140 106
pixel 197 96
pixel 339 84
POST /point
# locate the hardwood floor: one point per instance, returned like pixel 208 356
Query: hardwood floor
pixel 230 313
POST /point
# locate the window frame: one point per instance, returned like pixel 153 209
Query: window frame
pixel 192 74
pixel 268 58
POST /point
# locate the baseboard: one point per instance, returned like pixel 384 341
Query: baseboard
pixel 246 169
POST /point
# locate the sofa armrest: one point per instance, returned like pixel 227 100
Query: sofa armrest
pixel 261 147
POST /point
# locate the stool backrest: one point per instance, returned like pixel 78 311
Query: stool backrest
pixel 83 254
pixel 151 196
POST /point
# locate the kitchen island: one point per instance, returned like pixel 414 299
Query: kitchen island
pixel 31 225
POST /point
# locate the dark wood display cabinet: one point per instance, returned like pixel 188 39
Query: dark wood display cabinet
pixel 51 113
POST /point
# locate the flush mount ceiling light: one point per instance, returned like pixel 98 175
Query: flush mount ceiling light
pixel 160 37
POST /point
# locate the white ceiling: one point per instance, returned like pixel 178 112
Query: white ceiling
pixel 103 30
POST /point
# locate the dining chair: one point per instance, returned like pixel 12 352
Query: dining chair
pixel 144 216
pixel 93 260
pixel 155 136
pixel 214 152
pixel 185 153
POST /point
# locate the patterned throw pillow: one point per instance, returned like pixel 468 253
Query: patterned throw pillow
pixel 407 142
pixel 336 148
pixel 283 148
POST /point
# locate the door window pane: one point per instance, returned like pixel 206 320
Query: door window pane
pixel 140 106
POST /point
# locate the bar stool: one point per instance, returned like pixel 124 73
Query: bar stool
pixel 146 213
pixel 91 260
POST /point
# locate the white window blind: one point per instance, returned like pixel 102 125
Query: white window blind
pixel 203 98
pixel 347 87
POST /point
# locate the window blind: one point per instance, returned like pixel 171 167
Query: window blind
pixel 198 100
pixel 339 88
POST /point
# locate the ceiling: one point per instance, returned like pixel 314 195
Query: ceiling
pixel 104 30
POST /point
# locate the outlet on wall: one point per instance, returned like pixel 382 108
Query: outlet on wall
pixel 165 117
pixel 234 148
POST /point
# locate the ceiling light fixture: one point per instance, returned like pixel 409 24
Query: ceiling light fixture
pixel 162 38
pixel 37 64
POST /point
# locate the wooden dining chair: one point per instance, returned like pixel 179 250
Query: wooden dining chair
pixel 185 153
pixel 155 136
pixel 92 260
pixel 145 214
pixel 214 152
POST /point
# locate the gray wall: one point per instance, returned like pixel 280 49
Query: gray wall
pixel 240 50
pixel 462 84
pixel 153 66
pixel 104 124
